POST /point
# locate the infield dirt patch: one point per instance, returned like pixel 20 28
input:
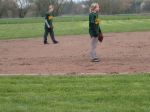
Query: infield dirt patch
pixel 119 53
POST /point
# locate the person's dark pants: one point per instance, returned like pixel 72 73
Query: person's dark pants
pixel 49 30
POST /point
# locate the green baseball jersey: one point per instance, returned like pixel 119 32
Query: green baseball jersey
pixel 94 28
pixel 49 19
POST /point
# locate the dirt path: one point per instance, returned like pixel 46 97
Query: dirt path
pixel 119 53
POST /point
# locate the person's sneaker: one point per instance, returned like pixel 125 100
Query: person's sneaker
pixel 95 60
pixel 45 42
pixel 55 42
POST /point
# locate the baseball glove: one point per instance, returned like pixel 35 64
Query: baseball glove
pixel 100 37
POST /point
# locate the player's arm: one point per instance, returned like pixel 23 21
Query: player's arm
pixel 46 21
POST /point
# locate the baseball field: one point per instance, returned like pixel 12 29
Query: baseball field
pixel 61 78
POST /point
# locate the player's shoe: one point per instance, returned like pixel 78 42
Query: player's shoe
pixel 95 60
pixel 45 42
pixel 55 42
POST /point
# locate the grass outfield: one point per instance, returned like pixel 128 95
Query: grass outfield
pixel 34 27
pixel 72 18
pixel 27 30
pixel 113 93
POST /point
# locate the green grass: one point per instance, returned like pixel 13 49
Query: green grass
pixel 13 31
pixel 71 25
pixel 75 93
pixel 72 18
pixel 126 25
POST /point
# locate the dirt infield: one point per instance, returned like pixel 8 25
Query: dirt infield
pixel 119 53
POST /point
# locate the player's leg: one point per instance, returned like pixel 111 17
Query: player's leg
pixel 53 37
pixel 45 36
pixel 94 41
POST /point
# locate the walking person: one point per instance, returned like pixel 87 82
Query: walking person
pixel 49 26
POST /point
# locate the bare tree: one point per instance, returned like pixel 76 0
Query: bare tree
pixel 58 6
pixel 145 6
pixel 23 7
pixel 42 6
pixel 12 9
pixel 68 7
pixel 1 8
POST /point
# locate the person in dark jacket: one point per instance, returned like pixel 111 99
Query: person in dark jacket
pixel 94 30
pixel 49 25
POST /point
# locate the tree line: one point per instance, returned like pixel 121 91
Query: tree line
pixel 37 8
